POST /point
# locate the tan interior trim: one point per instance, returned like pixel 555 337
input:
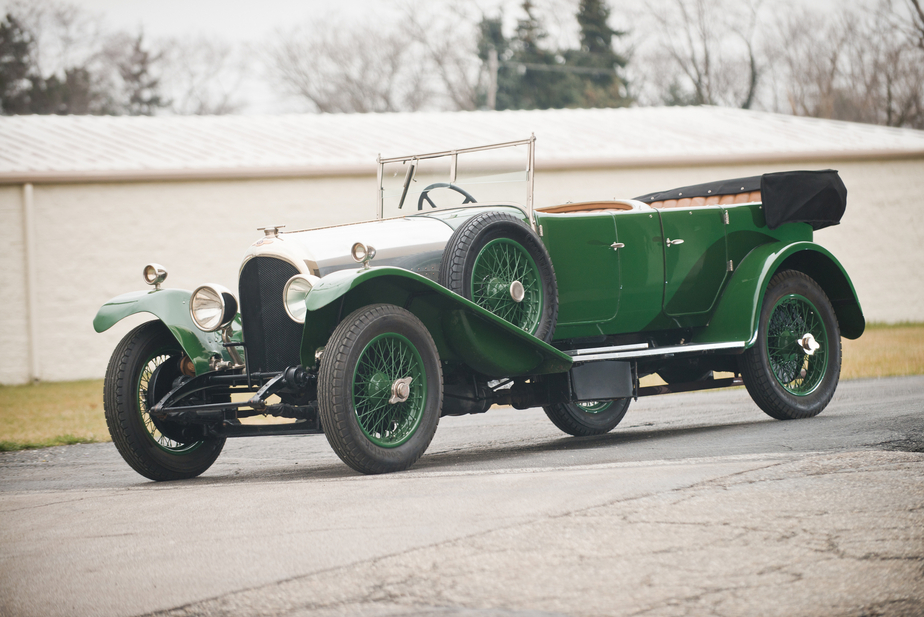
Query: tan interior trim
pixel 715 200
pixel 587 206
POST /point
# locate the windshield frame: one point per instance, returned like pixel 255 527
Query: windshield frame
pixel 454 157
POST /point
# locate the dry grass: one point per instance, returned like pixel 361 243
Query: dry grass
pixel 885 351
pixel 50 414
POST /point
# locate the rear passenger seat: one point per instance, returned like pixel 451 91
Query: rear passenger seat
pixel 715 200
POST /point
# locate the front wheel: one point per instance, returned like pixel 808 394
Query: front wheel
pixel 140 372
pixel 380 389
pixel 589 418
pixel 793 369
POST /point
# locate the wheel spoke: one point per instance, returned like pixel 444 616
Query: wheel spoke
pixel 383 361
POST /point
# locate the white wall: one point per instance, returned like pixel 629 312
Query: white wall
pixel 92 241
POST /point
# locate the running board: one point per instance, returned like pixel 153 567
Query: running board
pixel 642 350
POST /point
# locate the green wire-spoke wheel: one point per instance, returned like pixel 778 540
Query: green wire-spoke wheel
pixel 380 389
pixel 595 406
pixel 793 369
pixel 797 346
pixel 498 262
pixel 589 417
pixel 506 281
pixel 389 391
pixel 141 371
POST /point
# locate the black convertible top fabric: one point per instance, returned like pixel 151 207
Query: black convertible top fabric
pixel 818 198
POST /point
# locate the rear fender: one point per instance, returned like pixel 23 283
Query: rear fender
pixel 463 331
pixel 171 306
pixel 736 316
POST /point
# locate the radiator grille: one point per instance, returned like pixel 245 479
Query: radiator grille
pixel 273 340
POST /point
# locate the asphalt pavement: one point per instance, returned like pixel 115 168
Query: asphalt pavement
pixel 697 504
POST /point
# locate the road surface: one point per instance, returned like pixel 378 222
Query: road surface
pixel 695 504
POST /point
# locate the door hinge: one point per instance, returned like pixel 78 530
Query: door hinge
pixel 726 217
pixel 731 266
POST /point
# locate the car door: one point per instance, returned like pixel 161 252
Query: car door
pixel 641 269
pixel 586 265
pixel 695 258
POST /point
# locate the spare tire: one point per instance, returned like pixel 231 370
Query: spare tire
pixel 498 262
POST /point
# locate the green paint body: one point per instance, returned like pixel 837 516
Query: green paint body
pixel 645 285
pixel 171 306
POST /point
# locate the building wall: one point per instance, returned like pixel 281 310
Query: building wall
pixel 92 241
pixel 14 323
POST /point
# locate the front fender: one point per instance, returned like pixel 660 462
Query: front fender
pixel 463 331
pixel 737 314
pixel 171 306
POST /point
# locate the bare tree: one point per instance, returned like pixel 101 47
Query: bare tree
pixel 360 68
pixel 447 36
pixel 862 66
pixel 706 51
pixel 201 76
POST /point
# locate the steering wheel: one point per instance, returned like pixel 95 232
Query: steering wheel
pixel 425 194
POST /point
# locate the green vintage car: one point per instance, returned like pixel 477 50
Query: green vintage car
pixel 462 295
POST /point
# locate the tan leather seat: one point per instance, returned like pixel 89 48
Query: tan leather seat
pixel 721 200
pixel 587 206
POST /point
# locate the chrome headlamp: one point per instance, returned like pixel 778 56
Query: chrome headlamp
pixel 154 274
pixel 294 294
pixel 212 307
pixel 362 254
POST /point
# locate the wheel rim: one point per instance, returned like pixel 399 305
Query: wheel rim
pixel 154 433
pixel 499 264
pixel 792 318
pixel 384 361
pixel 595 407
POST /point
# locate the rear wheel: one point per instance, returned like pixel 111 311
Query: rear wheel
pixel 499 263
pixel 380 389
pixel 140 372
pixel 588 418
pixel 793 369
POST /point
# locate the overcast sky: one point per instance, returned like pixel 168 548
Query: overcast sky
pixel 248 21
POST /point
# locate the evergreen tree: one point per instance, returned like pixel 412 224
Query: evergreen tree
pixel 15 67
pixel 141 86
pixel 603 83
pixel 533 76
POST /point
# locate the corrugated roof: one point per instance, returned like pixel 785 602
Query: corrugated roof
pixel 87 148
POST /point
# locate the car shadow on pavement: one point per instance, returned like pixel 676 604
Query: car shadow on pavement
pixel 461 459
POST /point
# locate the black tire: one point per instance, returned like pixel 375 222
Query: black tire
pixel 467 270
pixel 786 382
pixel 372 349
pixel 140 372
pixel 585 419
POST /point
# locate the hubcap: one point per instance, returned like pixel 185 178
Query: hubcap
pixel 517 293
pixel 400 390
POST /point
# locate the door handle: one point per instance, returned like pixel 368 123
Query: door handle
pixel 617 245
pixel 672 242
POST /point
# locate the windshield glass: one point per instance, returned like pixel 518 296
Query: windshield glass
pixel 500 173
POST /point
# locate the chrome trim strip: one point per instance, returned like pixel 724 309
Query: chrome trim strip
pixel 660 351
pixel 597 350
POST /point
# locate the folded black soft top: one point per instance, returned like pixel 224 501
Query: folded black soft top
pixel 818 198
